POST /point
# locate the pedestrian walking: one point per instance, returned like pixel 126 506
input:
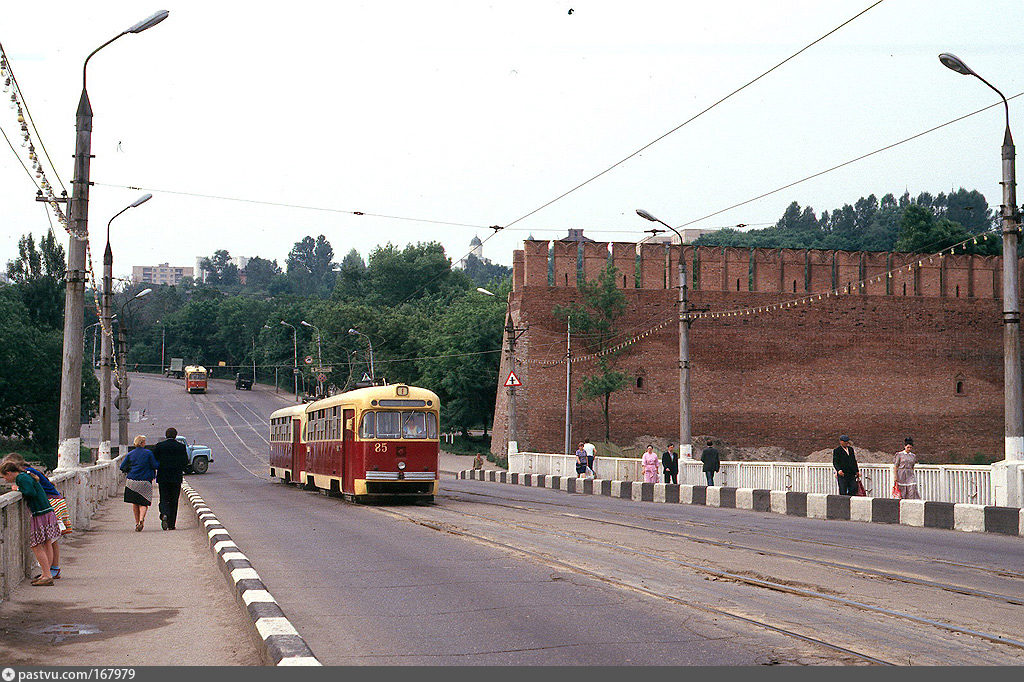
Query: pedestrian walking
pixel 44 528
pixel 591 457
pixel 478 462
pixel 650 464
pixel 172 458
pixel 905 480
pixel 670 461
pixel 140 466
pixel 581 462
pixel 712 462
pixel 57 501
pixel 845 463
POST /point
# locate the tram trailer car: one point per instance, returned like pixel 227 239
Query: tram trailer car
pixel 195 379
pixel 372 444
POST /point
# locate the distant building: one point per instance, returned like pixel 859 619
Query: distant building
pixel 666 237
pixel 160 274
pixel 575 235
pixel 476 247
pixel 239 261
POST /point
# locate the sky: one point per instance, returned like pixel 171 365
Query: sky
pixel 480 113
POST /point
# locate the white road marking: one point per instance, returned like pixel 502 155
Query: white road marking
pixel 258 432
pixel 228 450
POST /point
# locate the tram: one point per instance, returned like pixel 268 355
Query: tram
pixel 371 444
pixel 195 379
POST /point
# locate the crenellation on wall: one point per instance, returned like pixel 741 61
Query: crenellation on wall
pixel 535 263
pixel 768 275
pixel 673 265
pixel 517 269
pixel 624 259
pixel 904 275
pixel 652 266
pixel 819 265
pixel 736 269
pixel 565 257
pixel 956 276
pixel 848 272
pixel 794 270
pixel 710 268
pixel 985 276
pixel 876 272
pixel 929 276
pixel 595 258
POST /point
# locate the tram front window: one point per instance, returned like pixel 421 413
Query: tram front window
pixel 411 425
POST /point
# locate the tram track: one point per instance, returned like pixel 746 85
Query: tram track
pixel 731 528
pixel 715 573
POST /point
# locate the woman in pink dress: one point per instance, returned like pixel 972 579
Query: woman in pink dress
pixel 650 463
pixel 903 471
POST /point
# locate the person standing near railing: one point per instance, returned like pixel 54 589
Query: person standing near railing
pixel 845 464
pixel 905 480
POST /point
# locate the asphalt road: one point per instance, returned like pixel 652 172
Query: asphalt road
pixel 501 574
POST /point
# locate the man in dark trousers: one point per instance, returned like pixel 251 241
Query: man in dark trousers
pixel 172 458
pixel 670 460
pixel 845 464
pixel 712 462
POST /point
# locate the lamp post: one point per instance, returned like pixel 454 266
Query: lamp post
pixel 512 334
pixel 70 429
pixel 123 401
pixel 1013 410
pixel 372 373
pixel 106 347
pixel 319 359
pixel 295 358
pixel 685 445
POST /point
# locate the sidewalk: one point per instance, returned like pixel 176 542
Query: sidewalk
pixel 127 598
pixel 453 464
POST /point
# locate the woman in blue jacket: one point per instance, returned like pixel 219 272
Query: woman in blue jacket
pixel 140 466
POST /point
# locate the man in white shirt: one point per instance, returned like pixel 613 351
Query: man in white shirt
pixel 591 456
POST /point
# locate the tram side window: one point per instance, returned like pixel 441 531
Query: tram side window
pixel 431 425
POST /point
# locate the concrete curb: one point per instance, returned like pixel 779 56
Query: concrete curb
pixel 974 518
pixel 279 641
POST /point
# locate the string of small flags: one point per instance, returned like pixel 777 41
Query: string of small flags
pixel 754 310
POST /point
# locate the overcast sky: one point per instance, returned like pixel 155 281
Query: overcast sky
pixel 479 113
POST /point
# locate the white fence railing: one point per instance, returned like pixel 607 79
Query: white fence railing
pixel 83 489
pixel 937 482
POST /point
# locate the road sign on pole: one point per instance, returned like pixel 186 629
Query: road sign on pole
pixel 366 377
pixel 512 380
pixel 321 377
pixel 309 359
pixel 325 370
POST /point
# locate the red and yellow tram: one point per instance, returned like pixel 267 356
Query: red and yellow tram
pixel 372 443
pixel 195 379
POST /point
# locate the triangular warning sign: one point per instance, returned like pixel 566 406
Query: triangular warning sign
pixel 366 376
pixel 512 380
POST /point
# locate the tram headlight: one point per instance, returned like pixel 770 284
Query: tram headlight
pixel 401 465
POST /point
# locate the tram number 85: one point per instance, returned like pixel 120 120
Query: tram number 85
pixel 380 447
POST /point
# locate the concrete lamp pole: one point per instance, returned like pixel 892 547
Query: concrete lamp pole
pixel 373 374
pixel 319 359
pixel 511 334
pixel 295 358
pixel 1006 476
pixel 685 444
pixel 123 401
pixel 70 419
pixel 106 348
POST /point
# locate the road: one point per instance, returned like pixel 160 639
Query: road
pixel 502 574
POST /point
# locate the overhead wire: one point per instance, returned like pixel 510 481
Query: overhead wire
pixel 695 116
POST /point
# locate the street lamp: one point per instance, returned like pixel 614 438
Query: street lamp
pixel 123 401
pixel 319 360
pixel 685 445
pixel 353 331
pixel 512 334
pixel 1013 410
pixel 106 347
pixel 295 358
pixel 70 429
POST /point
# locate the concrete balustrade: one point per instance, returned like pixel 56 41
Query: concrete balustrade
pixel 83 489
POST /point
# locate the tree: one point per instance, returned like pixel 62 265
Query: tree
pixel 351 277
pixel 593 322
pixel 219 269
pixel 260 272
pixel 39 274
pixel 483 272
pixel 417 271
pixel 310 266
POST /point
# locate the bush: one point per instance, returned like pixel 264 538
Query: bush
pixel 469 445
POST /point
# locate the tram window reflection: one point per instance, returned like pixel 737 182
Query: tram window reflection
pixel 366 429
pixel 414 424
pixel 389 425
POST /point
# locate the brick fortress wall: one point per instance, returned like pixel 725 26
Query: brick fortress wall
pixel 880 363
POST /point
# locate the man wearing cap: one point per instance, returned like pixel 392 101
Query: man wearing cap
pixel 845 464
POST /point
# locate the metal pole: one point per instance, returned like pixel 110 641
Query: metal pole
pixel 295 362
pixel 1014 411
pixel 70 429
pixel 122 388
pixel 254 359
pixel 685 445
pixel 163 330
pixel 106 355
pixel 568 384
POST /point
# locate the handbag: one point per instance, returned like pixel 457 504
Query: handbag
pixel 861 492
pixel 896 491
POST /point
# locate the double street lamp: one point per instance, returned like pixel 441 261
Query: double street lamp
pixel 106 347
pixel 123 401
pixel 1013 408
pixel 685 445
pixel 319 359
pixel 295 358
pixel 70 429
pixel 359 333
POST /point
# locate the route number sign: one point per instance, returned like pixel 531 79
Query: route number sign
pixel 512 380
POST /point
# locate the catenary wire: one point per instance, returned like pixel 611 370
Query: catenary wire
pixel 695 116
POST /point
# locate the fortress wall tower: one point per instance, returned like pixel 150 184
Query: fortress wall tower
pixel 535 263
pixel 518 270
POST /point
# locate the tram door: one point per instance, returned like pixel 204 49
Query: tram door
pixel 298 454
pixel 348 446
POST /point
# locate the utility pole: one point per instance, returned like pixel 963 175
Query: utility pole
pixel 568 386
pixel 123 401
pixel 106 354
pixel 295 358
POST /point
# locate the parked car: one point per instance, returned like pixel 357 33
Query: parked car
pixel 243 383
pixel 199 457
